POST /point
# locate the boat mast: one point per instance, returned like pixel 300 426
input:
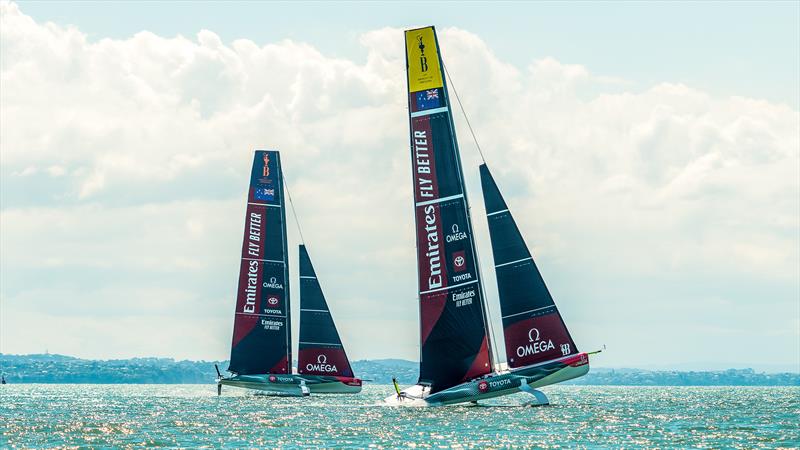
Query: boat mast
pixel 286 269
pixel 475 257
pixel 487 321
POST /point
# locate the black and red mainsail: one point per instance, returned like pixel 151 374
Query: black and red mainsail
pixel 261 329
pixel 533 328
pixel 455 345
pixel 321 349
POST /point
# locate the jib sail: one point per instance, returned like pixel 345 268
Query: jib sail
pixel 455 344
pixel 261 327
pixel 533 328
pixel 321 350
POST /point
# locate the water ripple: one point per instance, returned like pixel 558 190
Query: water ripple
pixel 581 416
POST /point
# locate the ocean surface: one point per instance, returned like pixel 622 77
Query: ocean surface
pixel 580 416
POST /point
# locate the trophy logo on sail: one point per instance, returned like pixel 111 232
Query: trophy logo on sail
pixel 423 60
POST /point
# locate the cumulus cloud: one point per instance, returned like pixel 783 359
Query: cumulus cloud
pixel 124 163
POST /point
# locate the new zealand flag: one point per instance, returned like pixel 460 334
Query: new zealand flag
pixel 428 99
pixel 267 194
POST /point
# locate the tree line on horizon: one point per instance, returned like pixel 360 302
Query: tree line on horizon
pixel 47 368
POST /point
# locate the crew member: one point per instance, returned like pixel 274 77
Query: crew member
pixel 397 388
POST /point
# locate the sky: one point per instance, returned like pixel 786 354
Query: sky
pixel 650 154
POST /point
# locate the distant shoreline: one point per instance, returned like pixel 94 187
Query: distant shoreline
pixel 389 385
pixel 60 369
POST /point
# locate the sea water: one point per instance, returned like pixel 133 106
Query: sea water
pixel 580 416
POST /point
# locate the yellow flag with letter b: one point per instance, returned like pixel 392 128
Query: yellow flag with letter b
pixel 423 60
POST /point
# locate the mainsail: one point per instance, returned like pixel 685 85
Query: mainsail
pixel 533 328
pixel 454 341
pixel 261 329
pixel 321 350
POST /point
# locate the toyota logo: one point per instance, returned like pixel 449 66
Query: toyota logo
pixel 272 301
pixel 459 261
pixel 483 386
pixel 272 379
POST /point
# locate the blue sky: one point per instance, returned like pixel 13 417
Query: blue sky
pixel 650 153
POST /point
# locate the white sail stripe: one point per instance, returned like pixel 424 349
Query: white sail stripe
pixel 496 212
pixel 448 287
pixel 265 260
pixel 439 200
pixel 529 311
pixel 428 112
pixel 513 262
pixel 319 343
pixel 517 369
pixel 315 310
pixel 309 277
pixel 264 204
pixel 260 315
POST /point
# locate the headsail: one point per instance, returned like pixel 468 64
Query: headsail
pixel 321 350
pixel 455 344
pixel 533 328
pixel 261 330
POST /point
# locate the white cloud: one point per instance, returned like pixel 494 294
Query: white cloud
pixel 123 164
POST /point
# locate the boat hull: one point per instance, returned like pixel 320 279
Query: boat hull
pixel 496 385
pixel 292 385
pixel 335 385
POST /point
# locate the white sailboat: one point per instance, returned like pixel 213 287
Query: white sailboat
pixel 456 360
pixel 261 349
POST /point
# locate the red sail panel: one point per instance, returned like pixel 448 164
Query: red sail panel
pixel 537 339
pixel 431 248
pixel 261 329
pixel 453 326
pixel 324 361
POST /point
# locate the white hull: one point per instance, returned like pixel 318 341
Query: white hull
pixel 523 380
pixel 336 387
pixel 294 385
pixel 280 390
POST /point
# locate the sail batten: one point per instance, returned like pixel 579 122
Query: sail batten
pixel 261 330
pixel 454 342
pixel 321 350
pixel 532 325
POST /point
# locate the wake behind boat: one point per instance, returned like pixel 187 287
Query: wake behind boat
pixel 261 352
pixel 457 363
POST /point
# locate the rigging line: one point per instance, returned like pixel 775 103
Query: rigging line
pixel 458 99
pixel 489 319
pixel 294 211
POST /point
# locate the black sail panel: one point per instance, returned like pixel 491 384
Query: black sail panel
pixel 533 328
pixel 454 341
pixel 261 329
pixel 321 349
